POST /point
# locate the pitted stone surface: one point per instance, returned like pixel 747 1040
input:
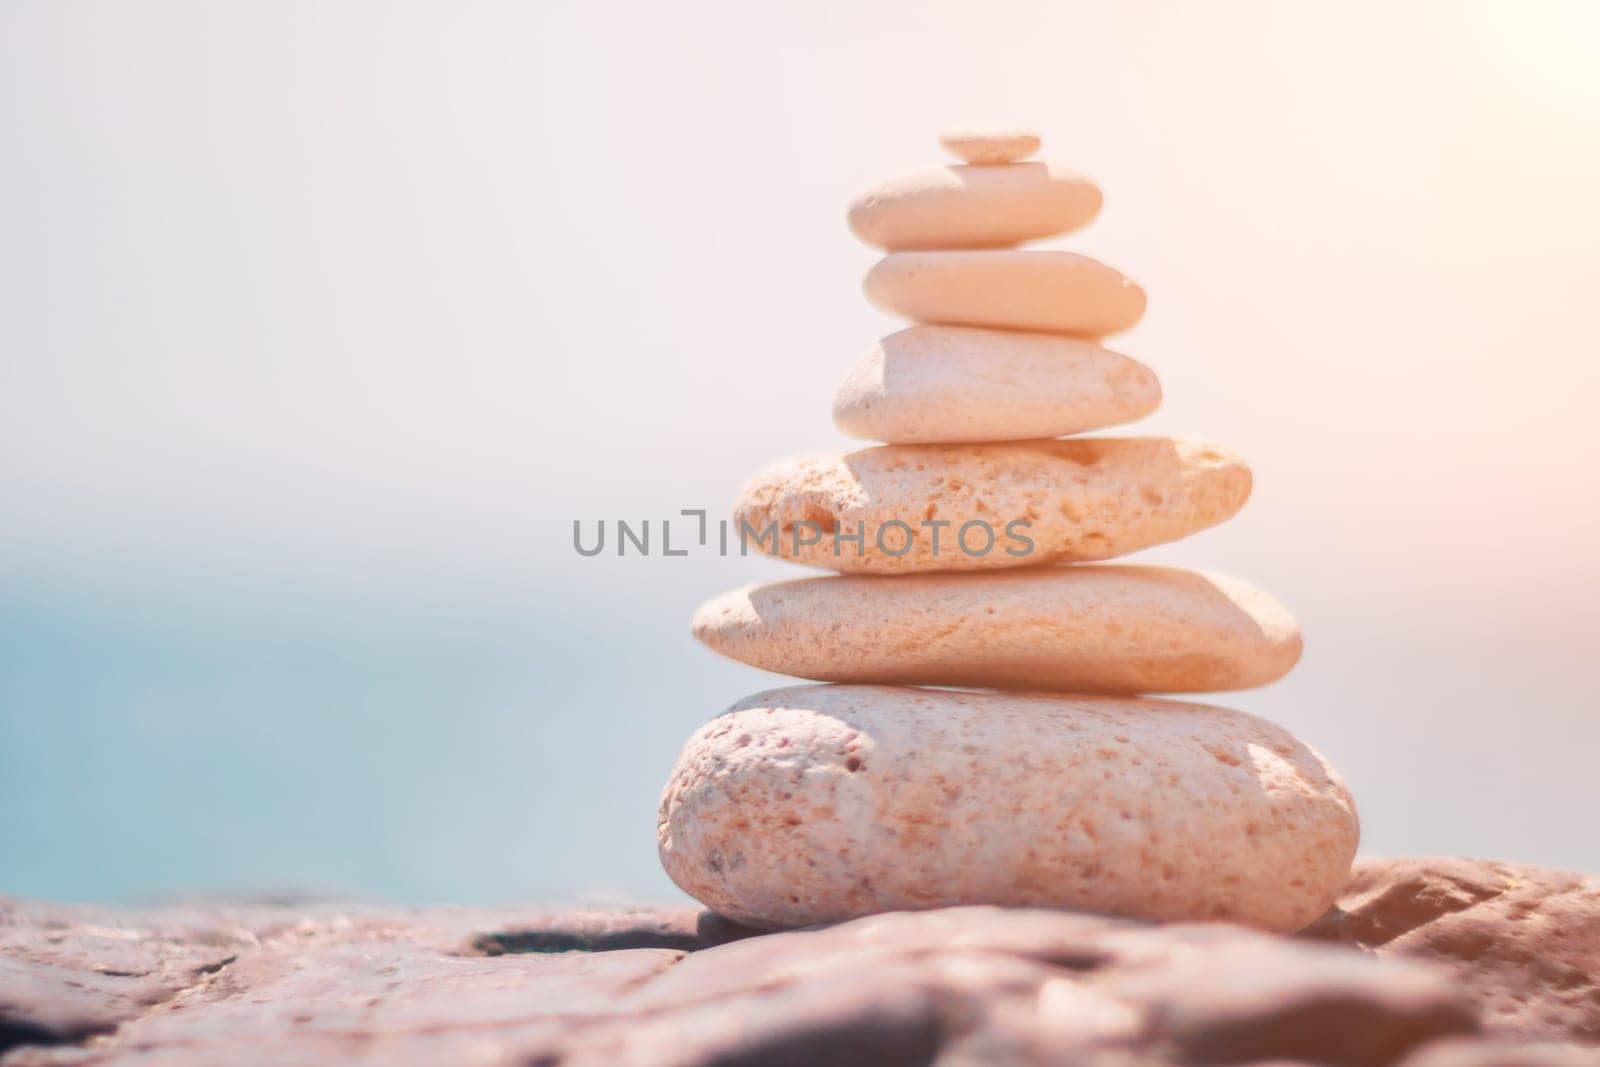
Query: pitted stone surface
pixel 827 802
pixel 69 972
pixel 334 984
pixel 1524 940
pixel 907 509
pixel 972 985
pixel 1081 629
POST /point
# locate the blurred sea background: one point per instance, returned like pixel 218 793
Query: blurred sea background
pixel 320 324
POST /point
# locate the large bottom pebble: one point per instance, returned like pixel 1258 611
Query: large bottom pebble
pixel 821 803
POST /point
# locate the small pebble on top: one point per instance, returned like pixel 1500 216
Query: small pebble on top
pixel 990 146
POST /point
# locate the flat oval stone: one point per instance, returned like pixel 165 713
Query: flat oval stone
pixel 974 207
pixel 1088 629
pixel 990 146
pixel 1052 292
pixel 936 507
pixel 822 803
pixel 959 383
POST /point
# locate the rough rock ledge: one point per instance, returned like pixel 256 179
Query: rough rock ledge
pixel 1433 962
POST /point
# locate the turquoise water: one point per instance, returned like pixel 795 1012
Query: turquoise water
pixel 199 737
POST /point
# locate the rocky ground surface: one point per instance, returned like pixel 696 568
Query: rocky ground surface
pixel 1425 963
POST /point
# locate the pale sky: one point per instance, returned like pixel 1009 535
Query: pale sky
pixel 320 323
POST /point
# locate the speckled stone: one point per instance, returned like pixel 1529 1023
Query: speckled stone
pixel 1083 629
pixel 821 803
pixel 1075 500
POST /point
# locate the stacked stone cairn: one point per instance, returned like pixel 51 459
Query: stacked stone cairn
pixel 1038 773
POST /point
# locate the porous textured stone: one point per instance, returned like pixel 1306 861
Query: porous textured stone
pixel 340 984
pixel 931 384
pixel 70 972
pixel 1076 500
pixel 1030 289
pixel 820 803
pixel 1084 629
pixel 974 145
pixel 1524 941
pixel 67 973
pixel 1478 1052
pixel 974 207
